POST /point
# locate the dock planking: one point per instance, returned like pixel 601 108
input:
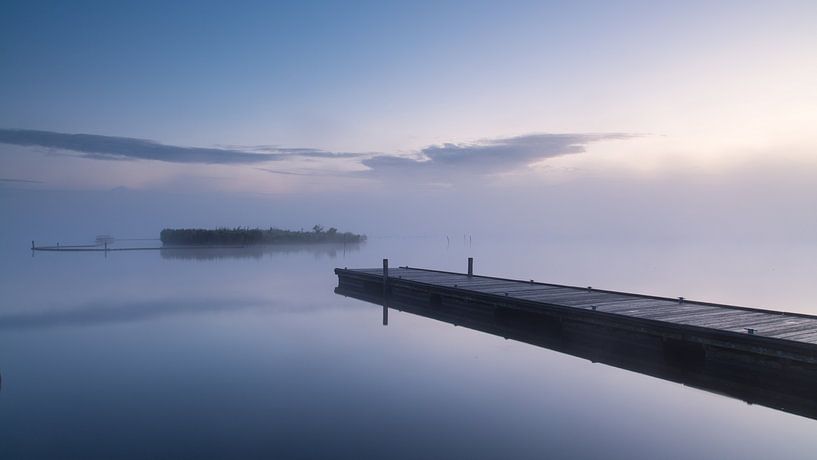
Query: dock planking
pixel 724 372
pixel 768 332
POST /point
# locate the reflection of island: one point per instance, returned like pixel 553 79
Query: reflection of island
pixel 788 388
pixel 331 250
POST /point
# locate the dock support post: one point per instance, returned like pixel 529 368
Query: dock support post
pixel 470 266
pixel 385 292
pixel 32 245
pixel 385 277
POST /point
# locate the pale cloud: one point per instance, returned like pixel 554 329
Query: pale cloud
pixel 489 156
pixel 126 148
pixel 433 164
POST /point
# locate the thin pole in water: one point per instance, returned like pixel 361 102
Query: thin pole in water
pixel 385 278
pixel 470 266
pixel 385 292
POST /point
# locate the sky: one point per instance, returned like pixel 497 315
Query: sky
pixel 639 119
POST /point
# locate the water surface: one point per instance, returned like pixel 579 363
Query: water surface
pixel 247 355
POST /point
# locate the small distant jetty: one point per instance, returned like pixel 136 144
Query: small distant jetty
pixel 218 238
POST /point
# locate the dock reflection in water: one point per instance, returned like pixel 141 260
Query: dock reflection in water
pixel 747 378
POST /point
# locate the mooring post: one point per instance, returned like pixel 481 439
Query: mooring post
pixel 385 277
pixel 32 245
pixel 470 266
pixel 385 314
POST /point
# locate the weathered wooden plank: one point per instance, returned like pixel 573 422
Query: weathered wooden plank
pixel 685 311
pixel 430 277
pixel 368 271
pixel 771 321
pixel 488 285
pixel 741 325
pixel 782 333
pixel 645 305
pixel 589 301
pixel 722 321
pixel 794 331
pixel 665 308
pixel 539 296
pixel 518 287
pixel 725 319
pixel 555 295
pixel 810 337
pixel 789 323
pixel 559 298
pixel 612 302
pixel 462 285
pixel 427 273
pixel 433 276
pixel 436 281
pixel 799 334
pixel 566 301
pixel 671 314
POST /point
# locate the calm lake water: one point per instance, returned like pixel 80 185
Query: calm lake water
pixel 251 355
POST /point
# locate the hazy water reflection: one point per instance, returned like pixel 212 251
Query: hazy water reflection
pixel 141 355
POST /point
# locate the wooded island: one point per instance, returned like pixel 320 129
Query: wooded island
pixel 246 236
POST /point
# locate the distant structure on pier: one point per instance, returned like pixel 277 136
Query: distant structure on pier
pixel 102 240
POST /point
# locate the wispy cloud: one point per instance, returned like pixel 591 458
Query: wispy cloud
pixel 301 152
pixel 19 181
pixel 126 148
pixel 486 156
pixel 305 173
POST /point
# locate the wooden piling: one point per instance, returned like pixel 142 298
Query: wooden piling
pixel 385 277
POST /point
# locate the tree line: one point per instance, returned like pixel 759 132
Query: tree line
pixel 242 236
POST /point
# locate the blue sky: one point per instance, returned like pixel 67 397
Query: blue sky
pixel 371 76
pixel 300 99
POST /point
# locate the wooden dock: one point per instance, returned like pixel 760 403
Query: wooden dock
pixel 783 339
pixel 103 247
pixel 726 372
